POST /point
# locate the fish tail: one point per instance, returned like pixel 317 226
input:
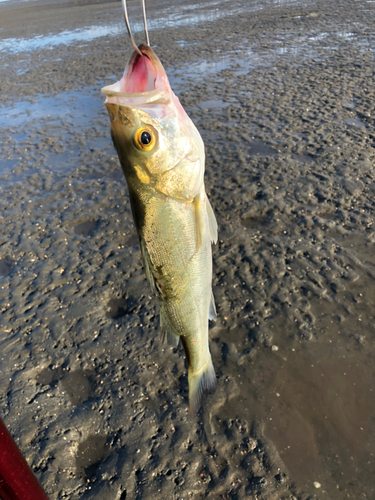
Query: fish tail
pixel 201 382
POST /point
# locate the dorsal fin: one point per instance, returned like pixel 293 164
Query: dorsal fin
pixel 211 221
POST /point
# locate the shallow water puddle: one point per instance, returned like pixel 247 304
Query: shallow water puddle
pixel 259 56
pixel 90 33
pixel 77 106
pixel 52 130
pixel 355 122
pixel 186 15
pixel 322 418
pixel 16 45
pixel 258 148
pixel 15 1
pixel 90 454
pixel 6 266
pixel 79 386
pixel 316 399
pixel 213 103
pixel 317 402
pixel 85 228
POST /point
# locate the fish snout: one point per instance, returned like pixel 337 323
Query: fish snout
pixel 122 114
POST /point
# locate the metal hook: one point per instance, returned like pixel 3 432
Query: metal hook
pixel 145 22
pixel 128 25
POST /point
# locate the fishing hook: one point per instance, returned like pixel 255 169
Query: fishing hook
pixel 128 25
pixel 145 22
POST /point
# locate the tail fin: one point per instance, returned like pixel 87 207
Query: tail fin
pixel 202 382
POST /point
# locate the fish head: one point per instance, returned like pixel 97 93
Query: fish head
pixel 136 137
pixel 156 141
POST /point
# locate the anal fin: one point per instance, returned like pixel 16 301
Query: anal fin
pixel 212 315
pixel 167 335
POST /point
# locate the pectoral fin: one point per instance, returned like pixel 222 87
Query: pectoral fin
pixel 200 205
pixel 167 335
pixel 198 220
pixel 147 266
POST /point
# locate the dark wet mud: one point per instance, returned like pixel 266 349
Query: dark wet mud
pixel 282 93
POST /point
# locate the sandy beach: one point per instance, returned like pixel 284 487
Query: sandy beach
pixel 282 94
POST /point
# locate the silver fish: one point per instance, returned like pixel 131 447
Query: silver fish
pixel 162 156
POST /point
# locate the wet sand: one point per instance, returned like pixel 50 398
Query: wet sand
pixel 282 93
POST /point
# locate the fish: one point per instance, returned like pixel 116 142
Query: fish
pixel 162 157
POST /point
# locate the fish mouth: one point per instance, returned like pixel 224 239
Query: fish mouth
pixel 144 80
pixel 143 73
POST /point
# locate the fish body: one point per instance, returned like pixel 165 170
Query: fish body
pixel 162 156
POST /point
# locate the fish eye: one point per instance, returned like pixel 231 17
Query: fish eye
pixel 144 139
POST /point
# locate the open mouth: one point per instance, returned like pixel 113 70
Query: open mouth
pixel 140 77
pixel 143 73
pixel 144 83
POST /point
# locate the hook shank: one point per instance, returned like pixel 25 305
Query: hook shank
pixel 145 22
pixel 128 25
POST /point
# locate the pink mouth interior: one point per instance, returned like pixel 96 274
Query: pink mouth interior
pixel 141 76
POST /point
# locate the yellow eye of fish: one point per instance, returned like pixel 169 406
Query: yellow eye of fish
pixel 144 139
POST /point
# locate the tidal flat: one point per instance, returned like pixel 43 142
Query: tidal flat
pixel 282 94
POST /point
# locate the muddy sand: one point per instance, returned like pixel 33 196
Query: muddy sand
pixel 282 93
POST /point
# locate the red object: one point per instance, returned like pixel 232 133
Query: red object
pixel 17 481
